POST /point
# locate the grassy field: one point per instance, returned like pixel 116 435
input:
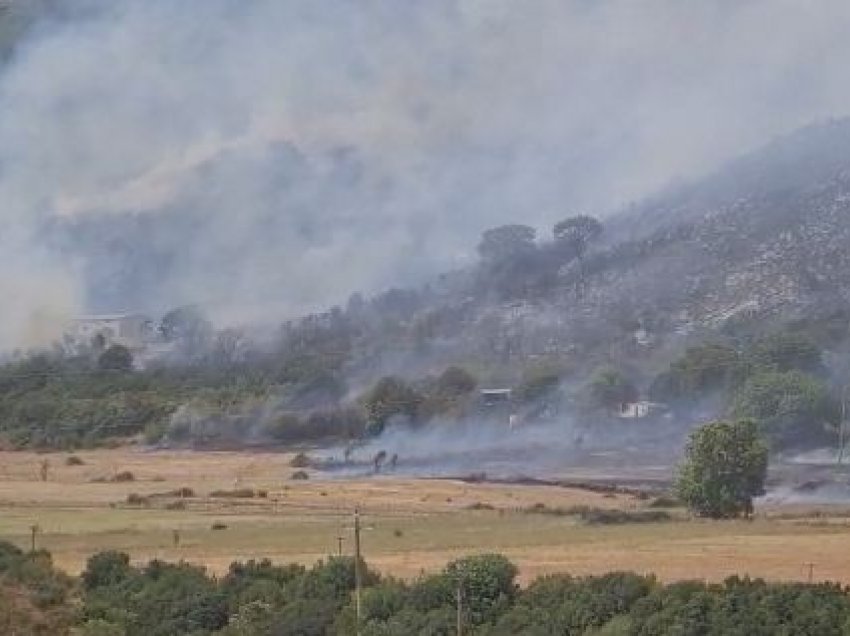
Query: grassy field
pixel 410 525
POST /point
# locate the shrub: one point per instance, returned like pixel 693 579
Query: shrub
pixel 73 460
pixel 237 493
pixel 135 499
pixel 602 516
pixel 299 475
pixel 301 460
pixel 123 477
pixel 106 569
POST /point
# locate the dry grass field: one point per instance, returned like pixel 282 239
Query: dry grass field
pixel 411 525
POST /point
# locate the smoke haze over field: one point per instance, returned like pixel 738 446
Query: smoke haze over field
pixel 284 154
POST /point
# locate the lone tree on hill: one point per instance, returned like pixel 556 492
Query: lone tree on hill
pixel 577 232
pixel 505 242
pixel 725 468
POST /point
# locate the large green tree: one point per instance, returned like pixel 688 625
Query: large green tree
pixel 724 469
pixel 793 408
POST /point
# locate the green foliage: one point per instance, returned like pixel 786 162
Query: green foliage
pixel 609 390
pixel 742 607
pixel 787 352
pixel 700 370
pixel 791 407
pixel 340 423
pixel 486 582
pixel 160 600
pixel 35 598
pixel 538 382
pixel 258 598
pixel 725 467
pixel 106 569
pixel 560 604
pixel 455 382
pixel 391 398
pixel 116 358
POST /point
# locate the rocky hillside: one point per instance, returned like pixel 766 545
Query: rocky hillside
pixel 762 243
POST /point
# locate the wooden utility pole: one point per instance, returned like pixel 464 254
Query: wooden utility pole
pixel 357 574
pixel 459 593
pixel 33 532
pixel 842 425
pixel 339 541
pixel 811 567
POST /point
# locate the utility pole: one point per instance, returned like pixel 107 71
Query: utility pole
pixel 459 593
pixel 357 574
pixel 811 567
pixel 339 541
pixel 34 529
pixel 842 425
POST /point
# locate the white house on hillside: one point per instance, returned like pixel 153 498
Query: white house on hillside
pixel 131 330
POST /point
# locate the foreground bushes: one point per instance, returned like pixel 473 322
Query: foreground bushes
pixel 258 598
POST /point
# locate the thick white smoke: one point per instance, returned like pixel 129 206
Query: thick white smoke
pixel 315 148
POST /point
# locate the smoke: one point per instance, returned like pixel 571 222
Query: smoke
pixel 269 157
pixel 562 448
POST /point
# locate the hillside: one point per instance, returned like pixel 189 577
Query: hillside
pixel 753 261
pixel 763 243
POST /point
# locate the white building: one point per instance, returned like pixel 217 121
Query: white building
pixel 130 330
pixel 638 410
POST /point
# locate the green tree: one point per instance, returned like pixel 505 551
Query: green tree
pixel 106 568
pixel 538 381
pixel 487 583
pixel 724 469
pixel 391 397
pixel 506 241
pixel 610 390
pixel 702 369
pixel 791 407
pixel 787 352
pixel 116 358
pixel 455 382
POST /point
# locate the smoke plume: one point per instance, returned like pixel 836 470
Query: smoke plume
pixel 265 158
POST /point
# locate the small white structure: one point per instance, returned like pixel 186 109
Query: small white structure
pixel 638 410
pixel 129 330
pixel 495 397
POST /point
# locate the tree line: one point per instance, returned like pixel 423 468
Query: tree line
pixel 479 594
